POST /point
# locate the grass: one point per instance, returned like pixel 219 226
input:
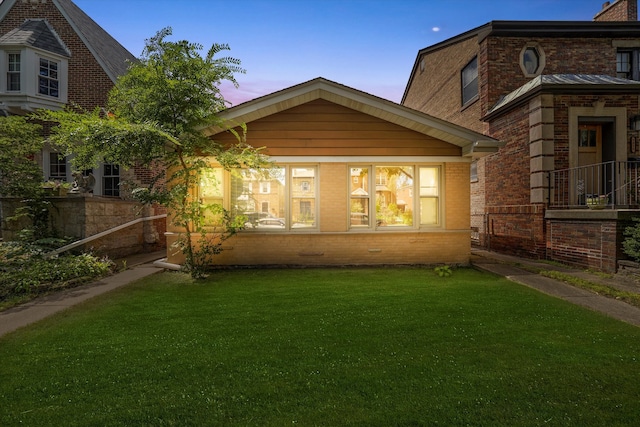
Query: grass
pixel 374 347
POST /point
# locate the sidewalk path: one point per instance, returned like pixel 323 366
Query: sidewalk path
pixel 507 266
pixel 138 266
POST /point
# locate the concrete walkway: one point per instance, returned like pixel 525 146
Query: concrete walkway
pixel 138 266
pixel 508 266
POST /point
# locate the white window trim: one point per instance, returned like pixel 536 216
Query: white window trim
pixel 415 203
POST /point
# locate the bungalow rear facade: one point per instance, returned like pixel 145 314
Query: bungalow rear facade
pixel 359 180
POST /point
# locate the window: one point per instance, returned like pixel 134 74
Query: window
pixel 57 167
pixel 48 83
pixel 531 60
pixel 13 72
pixel 627 64
pixel 290 202
pixel 111 180
pixel 393 202
pixel 474 171
pixel 470 81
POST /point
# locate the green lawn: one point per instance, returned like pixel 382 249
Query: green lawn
pixel 330 347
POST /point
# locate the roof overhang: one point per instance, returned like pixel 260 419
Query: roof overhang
pixel 472 144
pixel 566 84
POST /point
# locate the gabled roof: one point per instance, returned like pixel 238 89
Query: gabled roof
pixel 563 83
pixel 567 29
pixel 472 143
pixel 110 54
pixel 36 33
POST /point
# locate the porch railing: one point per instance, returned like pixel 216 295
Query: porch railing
pixel 610 185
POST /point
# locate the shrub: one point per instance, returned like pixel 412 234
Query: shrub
pixel 631 243
pixel 26 273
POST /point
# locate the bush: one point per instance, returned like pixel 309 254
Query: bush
pixel 631 243
pixel 26 273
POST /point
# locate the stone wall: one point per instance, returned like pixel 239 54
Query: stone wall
pixel 82 217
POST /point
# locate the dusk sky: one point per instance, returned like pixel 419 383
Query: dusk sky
pixel 369 45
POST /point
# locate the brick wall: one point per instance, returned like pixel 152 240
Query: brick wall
pixel 618 10
pixel 321 249
pixel 588 244
pixel 597 56
pixel 436 90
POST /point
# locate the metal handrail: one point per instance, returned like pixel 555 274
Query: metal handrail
pixel 612 185
pixel 102 234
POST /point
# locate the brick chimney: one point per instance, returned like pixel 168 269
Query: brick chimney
pixel 618 10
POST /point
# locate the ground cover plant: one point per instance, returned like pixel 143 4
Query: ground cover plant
pixel 395 346
pixel 25 271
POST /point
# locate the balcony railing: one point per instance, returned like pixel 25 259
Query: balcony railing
pixel 610 185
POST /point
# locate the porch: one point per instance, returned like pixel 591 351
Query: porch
pixel 610 185
pixel 588 209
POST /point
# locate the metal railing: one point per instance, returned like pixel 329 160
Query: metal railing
pixel 610 185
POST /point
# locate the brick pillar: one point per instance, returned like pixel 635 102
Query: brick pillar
pixel 541 146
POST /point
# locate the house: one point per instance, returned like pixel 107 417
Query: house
pixel 564 97
pixel 359 180
pixel 51 55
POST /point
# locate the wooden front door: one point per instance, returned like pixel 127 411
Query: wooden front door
pixel 589 173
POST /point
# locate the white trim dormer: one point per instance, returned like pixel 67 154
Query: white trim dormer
pixel 36 53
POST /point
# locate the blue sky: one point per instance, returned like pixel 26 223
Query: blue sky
pixel 370 45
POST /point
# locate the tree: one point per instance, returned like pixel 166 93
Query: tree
pixel 20 140
pixel 156 113
pixel 20 175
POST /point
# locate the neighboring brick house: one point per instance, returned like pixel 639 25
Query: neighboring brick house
pixel 359 180
pixel 51 55
pixel 564 97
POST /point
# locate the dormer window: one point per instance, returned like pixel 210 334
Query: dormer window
pixel 13 72
pixel 48 83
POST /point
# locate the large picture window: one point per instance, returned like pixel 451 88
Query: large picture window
pixel 389 192
pixel 290 202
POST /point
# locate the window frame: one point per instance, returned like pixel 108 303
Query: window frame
pixel 466 99
pixel 49 76
pixel 375 224
pixel 289 194
pixel 112 178
pixel 540 56
pixel 634 63
pixel 12 73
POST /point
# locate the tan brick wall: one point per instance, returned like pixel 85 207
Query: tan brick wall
pixel 457 196
pixel 334 195
pixel 319 249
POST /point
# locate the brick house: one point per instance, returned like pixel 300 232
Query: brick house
pixel 52 54
pixel 359 180
pixel 564 97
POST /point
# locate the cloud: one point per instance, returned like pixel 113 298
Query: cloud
pixel 435 29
